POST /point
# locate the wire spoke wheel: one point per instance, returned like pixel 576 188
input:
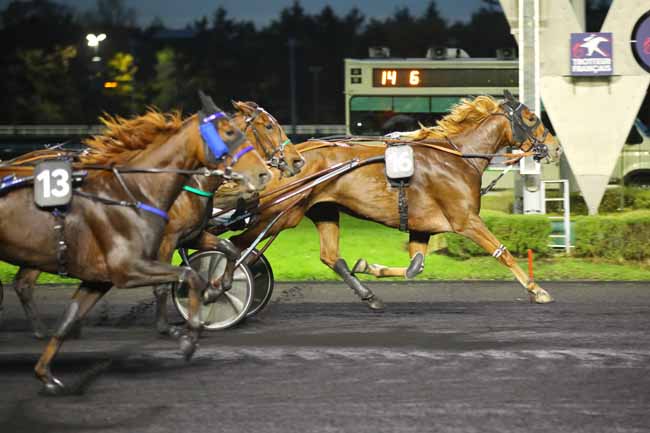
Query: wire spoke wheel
pixel 263 283
pixel 231 307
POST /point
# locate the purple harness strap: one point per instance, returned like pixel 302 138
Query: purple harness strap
pixel 153 210
pixel 241 153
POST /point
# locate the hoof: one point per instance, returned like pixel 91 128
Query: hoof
pixel 416 266
pixel 211 294
pixel 53 387
pixel 40 334
pixel 540 296
pixel 374 303
pixel 360 267
pixel 174 332
pixel 188 347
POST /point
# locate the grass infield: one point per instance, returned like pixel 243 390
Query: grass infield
pixel 295 256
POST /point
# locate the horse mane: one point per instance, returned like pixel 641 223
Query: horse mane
pixel 463 116
pixel 123 138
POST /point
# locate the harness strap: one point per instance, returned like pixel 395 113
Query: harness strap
pixel 135 205
pixel 135 202
pixel 319 146
pixel 284 143
pixel 61 246
pixel 492 184
pixel 153 210
pixel 120 179
pixel 241 153
pixel 197 191
pixel 403 207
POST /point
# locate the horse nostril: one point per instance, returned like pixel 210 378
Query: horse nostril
pixel 264 178
pixel 298 163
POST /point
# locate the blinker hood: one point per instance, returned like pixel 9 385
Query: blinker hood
pixel 209 116
pixel 520 130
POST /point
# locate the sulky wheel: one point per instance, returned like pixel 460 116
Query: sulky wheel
pixel 263 280
pixel 231 307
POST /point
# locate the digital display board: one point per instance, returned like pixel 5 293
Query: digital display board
pixel 447 77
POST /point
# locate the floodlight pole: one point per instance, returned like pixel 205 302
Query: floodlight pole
pixel 292 83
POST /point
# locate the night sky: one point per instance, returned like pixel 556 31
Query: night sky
pixel 178 13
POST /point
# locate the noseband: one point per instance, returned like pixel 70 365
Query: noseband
pixel 522 132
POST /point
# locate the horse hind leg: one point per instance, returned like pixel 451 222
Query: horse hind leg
pixel 83 301
pixel 365 294
pixel 326 219
pixel 161 293
pixel 418 242
pixel 224 282
pixel 24 283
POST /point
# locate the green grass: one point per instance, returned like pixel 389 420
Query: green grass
pixel 295 256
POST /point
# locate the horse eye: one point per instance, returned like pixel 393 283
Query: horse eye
pixel 269 126
pixel 230 132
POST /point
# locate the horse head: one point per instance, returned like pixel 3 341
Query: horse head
pixel 269 137
pixel 528 132
pixel 224 143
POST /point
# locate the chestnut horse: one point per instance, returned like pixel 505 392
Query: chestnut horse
pixel 443 196
pixel 112 228
pixel 190 210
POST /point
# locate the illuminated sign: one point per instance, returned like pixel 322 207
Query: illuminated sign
pixel 591 54
pixel 444 77
pixel 641 41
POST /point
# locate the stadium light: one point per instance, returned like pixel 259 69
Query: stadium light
pixel 94 40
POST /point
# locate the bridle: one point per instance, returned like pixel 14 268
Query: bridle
pixel 216 149
pixel 274 155
pixel 513 111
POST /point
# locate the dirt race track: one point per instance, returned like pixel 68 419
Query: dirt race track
pixel 445 356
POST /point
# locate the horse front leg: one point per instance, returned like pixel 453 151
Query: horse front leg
pixel 146 273
pixel 161 292
pixel 326 219
pixel 476 230
pixel 85 298
pixel 210 242
pixel 24 283
pixel 418 242
pixel 223 283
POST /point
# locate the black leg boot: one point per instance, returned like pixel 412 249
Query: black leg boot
pixel 366 295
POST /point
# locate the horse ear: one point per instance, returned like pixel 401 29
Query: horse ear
pixel 207 104
pixel 242 107
pixel 238 105
pixel 508 96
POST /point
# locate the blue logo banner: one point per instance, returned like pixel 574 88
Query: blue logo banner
pixel 591 54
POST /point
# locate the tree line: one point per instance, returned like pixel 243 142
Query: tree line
pixel 48 73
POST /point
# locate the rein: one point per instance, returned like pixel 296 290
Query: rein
pixel 424 143
pixel 308 183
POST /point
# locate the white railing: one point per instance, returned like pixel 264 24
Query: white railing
pixel 566 216
pixel 65 130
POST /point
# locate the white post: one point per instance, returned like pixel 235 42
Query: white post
pixel 529 94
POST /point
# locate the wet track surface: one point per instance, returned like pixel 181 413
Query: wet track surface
pixel 470 357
